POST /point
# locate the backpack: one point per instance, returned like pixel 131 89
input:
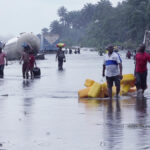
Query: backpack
pixel 61 55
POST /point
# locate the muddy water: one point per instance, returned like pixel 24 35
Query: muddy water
pixel 45 113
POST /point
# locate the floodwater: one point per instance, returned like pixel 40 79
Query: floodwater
pixel 45 113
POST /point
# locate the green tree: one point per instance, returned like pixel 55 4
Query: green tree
pixel 45 30
pixel 62 12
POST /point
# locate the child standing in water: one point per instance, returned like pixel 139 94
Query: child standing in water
pixel 25 59
pixel 32 62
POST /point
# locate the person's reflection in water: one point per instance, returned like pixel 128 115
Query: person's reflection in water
pixel 141 105
pixel 28 119
pixel 61 70
pixel 142 125
pixel 27 88
pixel 113 128
pixel 26 83
pixel 61 74
pixel 118 109
pixel 28 102
pixel 110 108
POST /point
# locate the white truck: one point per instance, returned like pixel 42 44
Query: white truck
pixel 13 47
pixel 146 40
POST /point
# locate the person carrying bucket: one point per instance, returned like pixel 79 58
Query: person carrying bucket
pixel 60 56
pixel 113 66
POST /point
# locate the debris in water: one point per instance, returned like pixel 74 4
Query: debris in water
pixel 4 95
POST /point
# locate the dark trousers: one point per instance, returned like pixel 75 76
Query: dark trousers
pixel 141 80
pixel 60 64
pixel 110 81
pixel 1 71
pixel 25 70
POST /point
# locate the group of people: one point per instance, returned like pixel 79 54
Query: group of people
pixel 60 56
pixel 76 51
pixel 29 62
pixel 113 66
pixel 27 57
pixel 130 54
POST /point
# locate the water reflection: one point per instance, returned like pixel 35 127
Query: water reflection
pixel 1 82
pixel 48 103
pixel 142 125
pixel 99 102
pixel 28 103
pixel 91 103
pixel 113 130
pixel 28 99
pixel 61 73
pixel 118 109
pixel 141 104
pixel 26 83
pixel 113 126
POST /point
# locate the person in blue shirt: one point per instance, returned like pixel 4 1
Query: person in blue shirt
pixel 113 66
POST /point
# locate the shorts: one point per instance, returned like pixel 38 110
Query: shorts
pixel 110 81
pixel 141 80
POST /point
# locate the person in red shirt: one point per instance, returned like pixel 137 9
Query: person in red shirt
pixel 31 63
pixel 3 61
pixel 141 60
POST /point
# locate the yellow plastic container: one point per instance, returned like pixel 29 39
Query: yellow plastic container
pixel 113 91
pixel 125 89
pixel 128 79
pixel 83 93
pixel 89 82
pixel 103 90
pixel 94 90
pixel 132 89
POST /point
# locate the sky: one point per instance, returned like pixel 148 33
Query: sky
pixel 18 16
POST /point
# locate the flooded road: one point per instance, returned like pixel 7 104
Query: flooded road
pixel 45 113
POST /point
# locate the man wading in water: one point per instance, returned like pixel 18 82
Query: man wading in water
pixel 61 58
pixel 141 60
pixel 113 73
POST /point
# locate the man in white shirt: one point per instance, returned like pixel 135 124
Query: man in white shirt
pixel 113 66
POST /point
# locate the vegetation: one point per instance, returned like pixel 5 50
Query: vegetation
pixel 97 25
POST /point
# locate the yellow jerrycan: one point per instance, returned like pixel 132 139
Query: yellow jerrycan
pixel 94 90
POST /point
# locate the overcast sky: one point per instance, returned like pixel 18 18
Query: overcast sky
pixel 18 16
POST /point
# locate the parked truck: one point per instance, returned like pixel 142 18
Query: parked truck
pixel 146 40
pixel 13 47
